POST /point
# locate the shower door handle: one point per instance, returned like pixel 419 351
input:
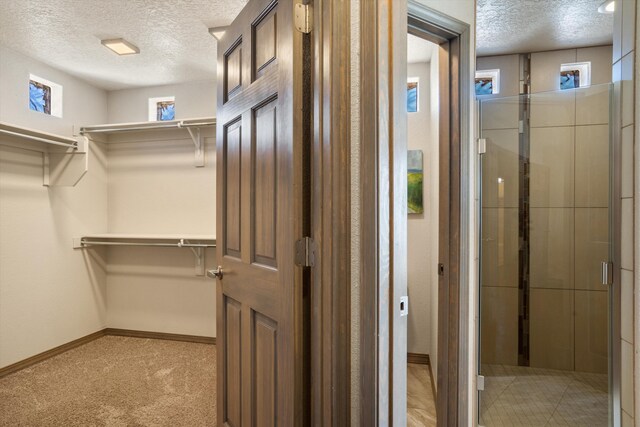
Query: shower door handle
pixel 607 273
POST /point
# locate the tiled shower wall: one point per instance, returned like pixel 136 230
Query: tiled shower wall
pixel 624 41
pixel 568 154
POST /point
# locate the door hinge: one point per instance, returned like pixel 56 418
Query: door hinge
pixel 480 382
pixel 305 252
pixel 303 18
pixel 482 145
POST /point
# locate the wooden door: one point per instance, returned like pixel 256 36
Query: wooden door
pixel 261 309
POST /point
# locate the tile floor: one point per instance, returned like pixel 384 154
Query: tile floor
pixel 524 396
pixel 421 406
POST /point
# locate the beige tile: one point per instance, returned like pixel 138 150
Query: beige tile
pixel 591 329
pixel 627 90
pixel 552 167
pixel 500 113
pixel 626 239
pixel 592 105
pixel 553 108
pixel 627 420
pixel 500 169
pixel 626 166
pixel 499 320
pixel 509 66
pixel 591 246
pixel 525 396
pixel 600 58
pixel 545 69
pixel 592 166
pixel 626 376
pixel 584 403
pixel 626 305
pixel 552 248
pixel 500 247
pixel 628 25
pixel 551 329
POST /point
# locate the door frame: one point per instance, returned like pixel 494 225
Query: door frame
pixel 384 25
pixel 330 207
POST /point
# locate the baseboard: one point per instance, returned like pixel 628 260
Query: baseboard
pixel 50 353
pixel 159 336
pixel 422 359
pixel 107 331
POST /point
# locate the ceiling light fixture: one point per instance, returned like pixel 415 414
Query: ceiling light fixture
pixel 217 32
pixel 608 6
pixel 121 46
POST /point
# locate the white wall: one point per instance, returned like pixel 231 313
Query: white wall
pixel 422 229
pixel 82 103
pixel 155 189
pixel 193 100
pixel 50 294
pixel 434 92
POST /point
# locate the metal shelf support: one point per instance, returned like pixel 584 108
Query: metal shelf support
pixel 198 160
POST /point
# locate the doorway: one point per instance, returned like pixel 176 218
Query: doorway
pixel 423 84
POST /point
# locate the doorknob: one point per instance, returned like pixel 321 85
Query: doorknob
pixel 215 274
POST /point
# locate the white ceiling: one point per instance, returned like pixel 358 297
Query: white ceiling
pixel 176 47
pixel 172 35
pixel 419 50
pixel 520 26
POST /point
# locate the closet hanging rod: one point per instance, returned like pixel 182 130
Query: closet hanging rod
pixel 143 126
pixel 73 144
pixel 180 244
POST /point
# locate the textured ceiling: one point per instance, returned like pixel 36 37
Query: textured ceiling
pixel 419 50
pixel 172 35
pixel 519 26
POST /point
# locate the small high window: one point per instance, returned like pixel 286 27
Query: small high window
pixel 45 96
pixel 487 82
pixel 162 109
pixel 412 95
pixel 575 75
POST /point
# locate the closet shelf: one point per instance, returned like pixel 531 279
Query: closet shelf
pixel 196 242
pixel 192 126
pixel 65 159
pixel 45 140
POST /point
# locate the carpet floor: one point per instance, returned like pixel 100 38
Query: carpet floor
pixel 115 381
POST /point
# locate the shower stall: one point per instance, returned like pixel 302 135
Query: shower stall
pixel 546 292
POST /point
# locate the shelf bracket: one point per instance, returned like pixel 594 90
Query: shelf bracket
pixel 199 255
pixel 198 160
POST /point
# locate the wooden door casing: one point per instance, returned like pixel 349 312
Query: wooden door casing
pixel 260 208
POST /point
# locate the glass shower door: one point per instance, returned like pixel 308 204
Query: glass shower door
pixel 545 232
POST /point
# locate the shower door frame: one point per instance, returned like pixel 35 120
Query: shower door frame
pixel 615 253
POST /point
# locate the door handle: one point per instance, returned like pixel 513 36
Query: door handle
pixel 607 273
pixel 215 274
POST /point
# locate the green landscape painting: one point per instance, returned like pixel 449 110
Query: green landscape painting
pixel 414 181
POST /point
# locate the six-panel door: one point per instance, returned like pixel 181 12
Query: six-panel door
pixel 259 218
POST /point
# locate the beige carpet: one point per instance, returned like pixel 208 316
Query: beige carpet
pixel 115 381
